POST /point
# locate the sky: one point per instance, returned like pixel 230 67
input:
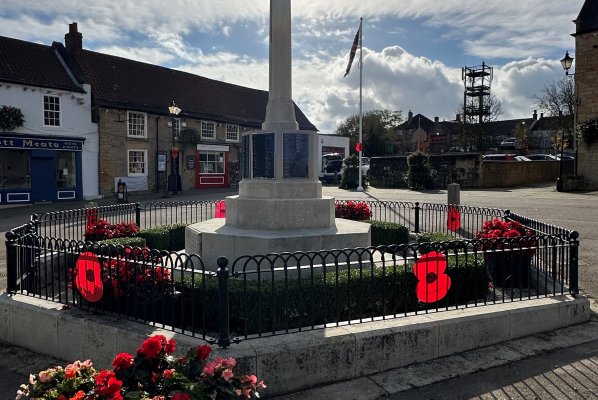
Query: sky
pixel 413 50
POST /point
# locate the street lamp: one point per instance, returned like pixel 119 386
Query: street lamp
pixel 567 63
pixel 174 176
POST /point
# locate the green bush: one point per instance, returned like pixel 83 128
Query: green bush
pixel 387 233
pixel 419 175
pixel 350 178
pixel 166 237
pixel 124 241
pixel 314 300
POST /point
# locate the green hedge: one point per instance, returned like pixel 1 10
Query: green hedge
pixel 124 241
pixel 166 237
pixel 387 233
pixel 279 305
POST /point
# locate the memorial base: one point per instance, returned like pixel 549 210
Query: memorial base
pixel 212 239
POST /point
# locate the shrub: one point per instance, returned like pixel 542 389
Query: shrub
pixel 354 210
pixel 419 175
pixel 153 373
pixel 124 241
pixel 166 237
pixel 350 178
pixel 387 233
pixel 322 298
pixel 589 130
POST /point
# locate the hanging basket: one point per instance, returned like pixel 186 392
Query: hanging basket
pixel 11 118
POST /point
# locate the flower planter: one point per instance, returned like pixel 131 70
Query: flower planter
pixel 509 268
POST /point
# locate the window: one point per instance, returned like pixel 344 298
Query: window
pixel 211 163
pixel 208 130
pixel 16 172
pixel 137 162
pixel 66 173
pixel 51 110
pixel 232 133
pixel 137 123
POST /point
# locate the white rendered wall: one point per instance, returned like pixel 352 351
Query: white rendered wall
pixel 75 114
pixel 325 140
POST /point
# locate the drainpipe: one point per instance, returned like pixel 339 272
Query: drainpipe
pixel 157 153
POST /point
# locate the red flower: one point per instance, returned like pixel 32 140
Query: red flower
pixel 181 396
pixel 151 347
pixel 80 395
pixel 170 346
pixel 122 361
pixel 203 352
pixel 168 373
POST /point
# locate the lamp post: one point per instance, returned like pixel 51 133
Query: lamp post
pixel 567 63
pixel 174 176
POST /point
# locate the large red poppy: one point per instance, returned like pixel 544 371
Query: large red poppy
pixel 433 283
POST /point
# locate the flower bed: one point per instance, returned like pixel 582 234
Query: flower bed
pixel 154 373
pixel 508 252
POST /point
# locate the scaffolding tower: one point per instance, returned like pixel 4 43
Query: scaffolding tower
pixel 476 98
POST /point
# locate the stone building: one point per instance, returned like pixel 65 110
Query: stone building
pixel 136 137
pixel 586 85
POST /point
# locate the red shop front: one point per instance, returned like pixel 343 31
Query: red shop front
pixel 211 166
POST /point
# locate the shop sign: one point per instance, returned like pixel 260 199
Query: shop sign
pixel 30 143
pixel 212 147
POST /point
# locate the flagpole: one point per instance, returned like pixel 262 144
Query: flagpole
pixel 360 186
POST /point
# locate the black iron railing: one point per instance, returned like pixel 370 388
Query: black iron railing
pixel 282 293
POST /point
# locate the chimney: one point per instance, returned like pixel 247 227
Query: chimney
pixel 436 120
pixel 535 115
pixel 73 40
pixel 409 115
pixel 458 118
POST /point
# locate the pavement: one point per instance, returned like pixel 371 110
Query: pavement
pixel 562 364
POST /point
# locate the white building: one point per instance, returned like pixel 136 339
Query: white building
pixel 53 156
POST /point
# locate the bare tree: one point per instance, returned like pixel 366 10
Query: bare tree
pixel 558 101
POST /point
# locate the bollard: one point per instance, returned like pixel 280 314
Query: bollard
pixel 574 263
pixel 453 222
pixel 454 194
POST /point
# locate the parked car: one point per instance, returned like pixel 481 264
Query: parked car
pixel 565 157
pixel 509 143
pixel 331 166
pixel 541 157
pixel 365 168
pixel 522 158
pixel 499 157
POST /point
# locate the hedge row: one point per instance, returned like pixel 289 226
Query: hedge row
pixel 281 304
pixel 166 237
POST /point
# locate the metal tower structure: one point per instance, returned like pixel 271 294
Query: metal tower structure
pixel 476 97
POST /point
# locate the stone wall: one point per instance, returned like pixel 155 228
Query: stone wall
pixel 586 86
pixel 509 174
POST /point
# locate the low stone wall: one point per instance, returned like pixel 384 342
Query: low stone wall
pixel 293 362
pixel 517 173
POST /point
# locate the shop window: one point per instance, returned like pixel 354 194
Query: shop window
pixel 16 172
pixel 211 163
pixel 136 124
pixel 51 110
pixel 232 133
pixel 137 162
pixel 66 172
pixel 208 130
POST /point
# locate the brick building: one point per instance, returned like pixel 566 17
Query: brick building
pixel 586 85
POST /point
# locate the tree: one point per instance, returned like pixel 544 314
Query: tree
pixel 473 133
pixel 379 127
pixel 520 132
pixel 558 101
